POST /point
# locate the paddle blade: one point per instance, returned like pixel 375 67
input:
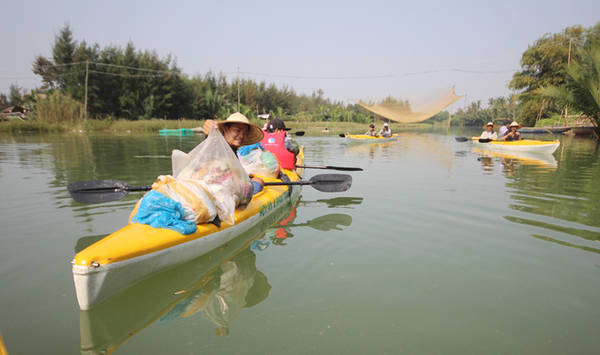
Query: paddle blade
pixel 299 133
pixel 342 135
pixel 484 140
pixel 331 182
pixel 461 139
pixel 98 191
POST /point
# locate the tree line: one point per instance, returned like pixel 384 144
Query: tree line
pixel 138 84
pixel 559 73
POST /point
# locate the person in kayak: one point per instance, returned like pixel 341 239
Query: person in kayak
pixel 371 131
pixel 277 142
pixel 385 131
pixel 238 131
pixel 489 133
pixel 513 134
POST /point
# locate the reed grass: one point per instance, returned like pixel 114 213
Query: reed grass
pixel 58 108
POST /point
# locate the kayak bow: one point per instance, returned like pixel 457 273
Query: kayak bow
pixel 138 250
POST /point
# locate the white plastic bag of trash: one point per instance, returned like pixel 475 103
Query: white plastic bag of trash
pixel 215 166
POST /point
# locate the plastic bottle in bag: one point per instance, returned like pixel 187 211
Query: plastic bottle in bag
pixel 260 162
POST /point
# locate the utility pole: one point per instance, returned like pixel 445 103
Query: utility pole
pixel 85 91
pixel 514 105
pixel 568 63
pixel 238 85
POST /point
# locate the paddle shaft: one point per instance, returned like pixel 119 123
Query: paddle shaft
pixel 329 167
pixel 480 140
pixel 97 191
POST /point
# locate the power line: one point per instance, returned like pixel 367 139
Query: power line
pixel 159 73
pixel 377 76
pixel 128 75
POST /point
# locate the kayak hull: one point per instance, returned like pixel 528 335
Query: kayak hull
pixel 137 250
pixel 176 132
pixel 362 138
pixel 103 328
pixel 525 145
pixel 94 284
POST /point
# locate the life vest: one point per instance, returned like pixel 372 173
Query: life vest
pixel 275 143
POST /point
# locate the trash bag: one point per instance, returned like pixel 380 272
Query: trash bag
pixel 159 211
pixel 214 166
pixel 196 203
pixel 259 162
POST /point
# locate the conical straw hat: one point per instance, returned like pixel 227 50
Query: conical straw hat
pixel 254 135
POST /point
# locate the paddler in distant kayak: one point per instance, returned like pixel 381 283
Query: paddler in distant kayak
pixel 385 131
pixel 277 141
pixel 371 131
pixel 513 134
pixel 489 133
pixel 238 131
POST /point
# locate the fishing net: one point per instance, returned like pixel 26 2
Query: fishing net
pixel 400 112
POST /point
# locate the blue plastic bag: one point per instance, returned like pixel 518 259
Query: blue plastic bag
pixel 244 150
pixel 159 211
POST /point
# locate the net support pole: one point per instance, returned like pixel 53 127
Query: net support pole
pixel 85 91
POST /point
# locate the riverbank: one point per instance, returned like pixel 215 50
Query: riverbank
pixel 154 125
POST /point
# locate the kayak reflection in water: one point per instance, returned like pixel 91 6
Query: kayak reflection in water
pixel 237 284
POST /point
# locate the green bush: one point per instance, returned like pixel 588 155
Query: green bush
pixel 58 108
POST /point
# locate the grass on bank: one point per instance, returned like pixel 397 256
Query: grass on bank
pixel 94 125
pixel 154 125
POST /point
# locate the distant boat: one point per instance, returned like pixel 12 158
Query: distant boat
pixel 176 132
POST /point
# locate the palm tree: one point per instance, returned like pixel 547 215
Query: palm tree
pixel 582 91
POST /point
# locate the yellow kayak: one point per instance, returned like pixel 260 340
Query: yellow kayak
pixel 137 250
pixel 103 328
pixel 363 138
pixel 524 145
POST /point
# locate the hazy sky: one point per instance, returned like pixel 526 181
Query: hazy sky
pixel 316 41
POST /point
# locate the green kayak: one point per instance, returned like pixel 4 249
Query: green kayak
pixel 176 132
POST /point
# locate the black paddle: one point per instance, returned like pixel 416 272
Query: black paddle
pixel 323 182
pixel 342 135
pixel 299 133
pixel 98 191
pixel 329 167
pixel 480 140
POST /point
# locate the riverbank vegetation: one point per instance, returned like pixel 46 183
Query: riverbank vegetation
pixel 558 81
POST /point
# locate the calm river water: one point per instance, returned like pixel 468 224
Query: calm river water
pixel 436 248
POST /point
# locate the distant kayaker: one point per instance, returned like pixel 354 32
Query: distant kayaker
pixel 513 134
pixel 488 133
pixel 385 131
pixel 371 131
pixel 277 141
pixel 238 131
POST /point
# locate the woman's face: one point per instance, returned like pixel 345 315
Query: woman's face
pixel 235 133
pixel 513 128
pixel 489 128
